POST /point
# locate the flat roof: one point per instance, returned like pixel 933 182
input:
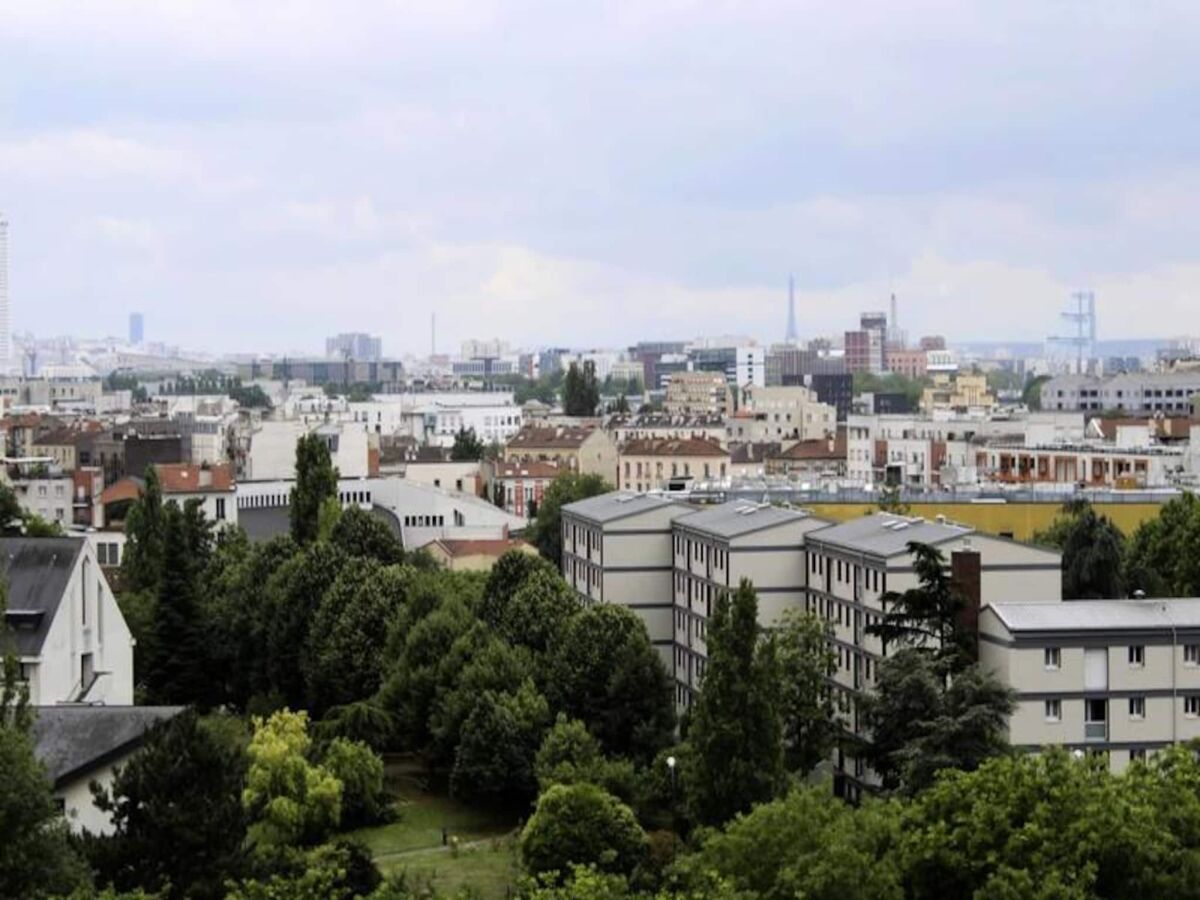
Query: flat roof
pixel 887 534
pixel 739 517
pixel 619 505
pixel 1099 615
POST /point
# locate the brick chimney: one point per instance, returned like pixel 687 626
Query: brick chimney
pixel 966 572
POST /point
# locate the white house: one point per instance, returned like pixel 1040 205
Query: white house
pixel 71 639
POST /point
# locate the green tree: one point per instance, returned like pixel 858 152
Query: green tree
pixel 345 642
pixel 1163 558
pixel 290 801
pixel 581 825
pixel 545 531
pixel 361 533
pixel 806 662
pixel 736 735
pixel 580 392
pixel 467 447
pixel 1031 396
pixel 1093 559
pixel 500 739
pixel 929 615
pixel 510 572
pixel 11 514
pixel 179 670
pixel 538 610
pixel 569 754
pixel 921 724
pixel 360 770
pixel 808 844
pixel 178 823
pixel 605 672
pixel 316 480
pixel 142 562
pixel 249 396
pixel 1056 534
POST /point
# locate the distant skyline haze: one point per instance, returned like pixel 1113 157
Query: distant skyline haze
pixel 257 177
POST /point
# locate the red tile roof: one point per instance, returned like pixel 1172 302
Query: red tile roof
pixel 672 447
pixel 185 478
pixel 531 469
pixel 497 547
pixel 551 437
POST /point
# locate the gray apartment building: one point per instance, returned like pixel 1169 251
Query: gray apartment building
pixel 852 565
pixel 712 551
pixel 1115 677
pixel 1133 393
pixel 617 549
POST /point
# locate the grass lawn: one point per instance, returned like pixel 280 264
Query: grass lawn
pixel 422 813
pixel 488 870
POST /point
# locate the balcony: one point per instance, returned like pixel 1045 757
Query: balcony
pixel 1095 731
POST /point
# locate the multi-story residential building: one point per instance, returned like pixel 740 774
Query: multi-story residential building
pixel 1117 677
pixel 662 464
pixel 518 487
pixel 742 364
pixel 437 417
pixel 790 365
pixel 866 348
pixel 851 566
pixel 780 414
pixel 585 448
pixel 959 392
pixel 1132 393
pixel 617 549
pixel 354 345
pixel 1093 464
pixel 660 425
pixel 909 363
pixel 713 550
pixel 817 460
pixel 322 371
pixel 698 394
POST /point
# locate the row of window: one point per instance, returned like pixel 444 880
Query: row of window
pixel 844 573
pixel 698 551
pixel 1135 654
pixel 1052 708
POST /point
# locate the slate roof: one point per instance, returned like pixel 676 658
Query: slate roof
pixel 885 534
pixel 1100 615
pixel 739 517
pixel 37 571
pixel 618 505
pixel 72 741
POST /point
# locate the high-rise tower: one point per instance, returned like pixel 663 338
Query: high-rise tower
pixel 5 325
pixel 791 336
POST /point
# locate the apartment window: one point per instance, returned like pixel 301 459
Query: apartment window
pixel 1137 754
pixel 1137 707
pixel 1137 655
pixel 1191 706
pixel 1053 658
pixel 1053 710
pixel 220 509
pixel 1191 654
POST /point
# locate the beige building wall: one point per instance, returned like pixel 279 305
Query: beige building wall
pixel 653 473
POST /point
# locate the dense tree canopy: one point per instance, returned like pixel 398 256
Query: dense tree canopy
pixel 546 530
pixel 1163 558
pixel 467 446
pixel 806 662
pixel 580 391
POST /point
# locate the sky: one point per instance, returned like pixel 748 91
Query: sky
pixel 256 176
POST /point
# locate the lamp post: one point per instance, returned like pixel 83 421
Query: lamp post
pixel 674 830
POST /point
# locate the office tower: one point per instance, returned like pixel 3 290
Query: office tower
pixel 137 328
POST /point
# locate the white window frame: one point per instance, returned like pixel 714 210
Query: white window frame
pixel 1052 658
pixel 1052 710
pixel 1137 707
pixel 1137 656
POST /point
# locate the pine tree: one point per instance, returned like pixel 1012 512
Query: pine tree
pixel 141 566
pixel 316 480
pixel 176 670
pixel 736 738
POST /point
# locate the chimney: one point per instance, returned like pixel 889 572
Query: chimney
pixel 966 572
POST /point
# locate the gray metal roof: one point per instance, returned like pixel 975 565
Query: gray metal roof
pixel 74 740
pixel 1099 615
pixel 885 534
pixel 619 505
pixel 739 517
pixel 37 571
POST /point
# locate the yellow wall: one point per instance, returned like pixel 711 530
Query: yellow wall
pixel 1019 519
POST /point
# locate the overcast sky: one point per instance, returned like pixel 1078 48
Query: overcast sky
pixel 255 176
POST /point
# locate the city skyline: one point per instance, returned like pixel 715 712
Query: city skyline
pixel 553 176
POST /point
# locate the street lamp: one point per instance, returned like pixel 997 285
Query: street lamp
pixel 674 825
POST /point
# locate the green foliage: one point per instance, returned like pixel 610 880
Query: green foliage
pixel 929 615
pixel 249 396
pixel 467 447
pixel 891 500
pixel 605 672
pixel 1056 534
pixel 500 739
pixel 581 825
pixel 1093 557
pixel 316 480
pixel 545 531
pixel 911 388
pixel 360 770
pixel 1031 396
pixel 921 723
pixel 290 801
pixel 1163 558
pixel 142 561
pixel 506 577
pixel 337 871
pixel 808 844
pixel 358 532
pixel 365 721
pixel 736 735
pixel 806 662
pixel 580 391
pixel 571 755
pixel 11 514
pixel 178 669
pixel 328 516
pixel 537 611
pixel 345 641
pixel 177 814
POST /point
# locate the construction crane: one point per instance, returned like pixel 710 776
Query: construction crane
pixel 1082 314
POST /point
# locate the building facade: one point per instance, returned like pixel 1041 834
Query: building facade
pixel 663 464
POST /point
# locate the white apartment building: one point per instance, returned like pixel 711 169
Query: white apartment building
pixel 1133 393
pixel 780 414
pixel 852 565
pixel 436 418
pixel 1117 677
pixel 270 451
pixel 712 550
pixel 617 549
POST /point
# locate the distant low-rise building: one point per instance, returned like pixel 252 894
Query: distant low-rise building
pixel 474 555
pixel 519 487
pixel 658 464
pixel 698 394
pixel 585 448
